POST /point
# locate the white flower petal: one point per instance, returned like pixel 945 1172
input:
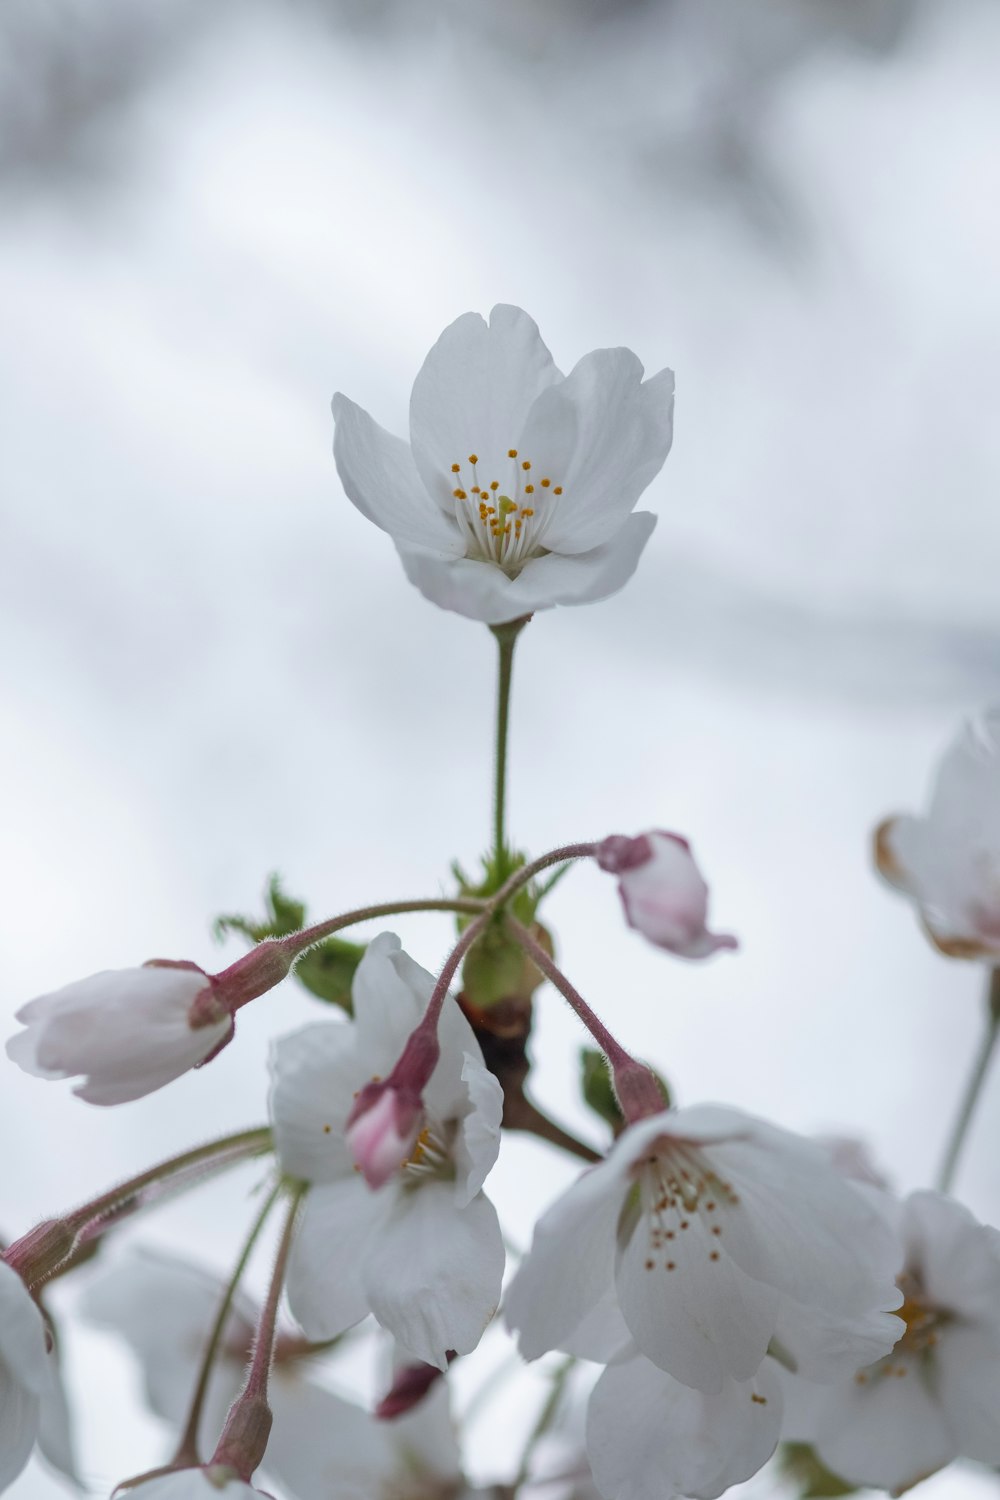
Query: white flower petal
pixel 483 591
pixel 887 1432
pixel 698 1317
pixel 478 1142
pixel 321 1445
pixel 126 1029
pixel 432 1273
pixel 967 1379
pixel 22 1333
pixel 315 1073
pixel 603 1334
pixel 194 1484
pixel 390 994
pixel 958 1258
pixel 18 1424
pixel 339 1226
pixel 831 1346
pixel 623 431
pixel 381 479
pixel 474 392
pixel 570 1265
pixel 649 1436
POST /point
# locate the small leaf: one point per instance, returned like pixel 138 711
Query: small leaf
pixel 799 1464
pixel 328 970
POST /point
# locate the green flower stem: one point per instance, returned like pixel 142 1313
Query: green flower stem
pixel 546 1417
pixel 506 638
pixel 187 1455
pixel 973 1088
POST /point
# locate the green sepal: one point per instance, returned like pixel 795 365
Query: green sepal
pixel 598 1090
pixel 811 1478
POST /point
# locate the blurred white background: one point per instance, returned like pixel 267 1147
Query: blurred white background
pixel 213 217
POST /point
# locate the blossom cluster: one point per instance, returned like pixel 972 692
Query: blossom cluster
pixel 734 1288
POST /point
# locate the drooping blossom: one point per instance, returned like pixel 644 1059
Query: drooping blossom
pixel 936 1395
pixel 424 1252
pixel 128 1031
pixel 663 892
pixel 704 1235
pixel 948 861
pixel 517 488
pixel 163 1306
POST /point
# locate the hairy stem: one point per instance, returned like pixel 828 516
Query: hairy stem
pixel 973 1088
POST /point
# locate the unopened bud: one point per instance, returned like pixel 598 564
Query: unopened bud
pixel 663 892
pixel 382 1130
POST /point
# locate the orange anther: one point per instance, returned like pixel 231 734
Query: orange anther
pixel 557 490
pixel 473 458
pixel 546 483
pixel 456 468
pixel 529 489
pixel 526 464
pixel 511 452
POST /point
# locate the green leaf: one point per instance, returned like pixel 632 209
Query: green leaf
pixel 799 1464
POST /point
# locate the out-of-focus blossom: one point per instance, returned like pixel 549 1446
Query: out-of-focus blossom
pixel 319 1443
pixel 948 862
pixel 128 1031
pixel 517 489
pixel 25 1373
pixel 936 1396
pixel 703 1235
pixel 650 1436
pixel 663 892
pixel 424 1252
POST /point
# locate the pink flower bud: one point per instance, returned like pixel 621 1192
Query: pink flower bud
pixel 663 892
pixel 382 1130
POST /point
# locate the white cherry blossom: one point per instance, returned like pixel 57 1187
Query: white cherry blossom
pixel 704 1235
pixel 424 1252
pixel 27 1373
pixel 936 1396
pixel 517 489
pixel 163 1306
pixel 663 892
pixel 128 1031
pixel 948 862
pixel 211 1483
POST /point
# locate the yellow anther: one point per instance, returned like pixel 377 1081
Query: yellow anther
pixel 473 458
pixel 546 483
pixel 526 464
pixel 511 452
pixel 529 489
pixel 460 494
pixel 526 510
pixel 456 468
pixel 476 490
pixel 557 490
pixel 494 484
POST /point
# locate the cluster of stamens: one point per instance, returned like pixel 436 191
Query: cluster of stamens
pixel 504 528
pixel 679 1189
pixel 430 1157
pixel 920 1337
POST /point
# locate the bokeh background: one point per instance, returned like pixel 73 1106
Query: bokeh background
pixel 211 217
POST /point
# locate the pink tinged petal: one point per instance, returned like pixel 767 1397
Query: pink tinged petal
pixel 315 1074
pixel 382 1136
pixel 380 478
pixel 432 1273
pixel 341 1224
pixel 477 1144
pixel 570 1265
pixel 649 1436
pixel 623 428
pixel 886 1430
pixel 473 394
pixel 666 899
pixel 483 591
pixel 128 1030
pixel 689 1308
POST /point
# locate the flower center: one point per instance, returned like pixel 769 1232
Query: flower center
pixel 504 520
pixel 430 1157
pixel 681 1192
pixel 921 1336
